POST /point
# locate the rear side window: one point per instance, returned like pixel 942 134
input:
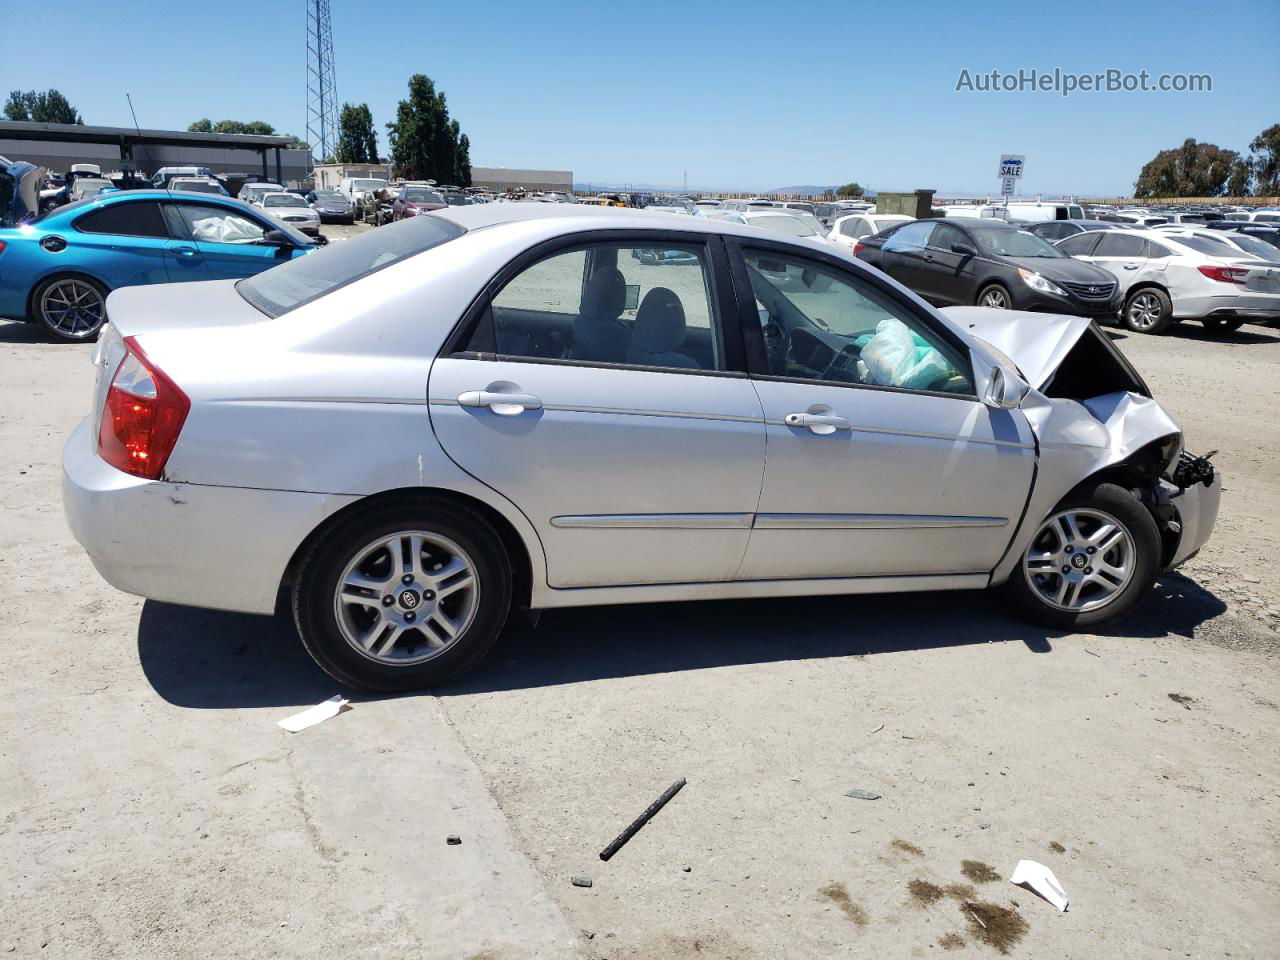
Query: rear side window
pixel 299 281
pixel 1081 244
pixel 139 218
pixel 1120 245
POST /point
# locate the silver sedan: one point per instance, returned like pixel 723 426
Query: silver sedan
pixel 406 437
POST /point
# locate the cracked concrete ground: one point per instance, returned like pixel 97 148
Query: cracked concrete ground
pixel 152 809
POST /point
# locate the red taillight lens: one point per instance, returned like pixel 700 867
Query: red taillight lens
pixel 142 416
pixel 1225 274
pixel 858 246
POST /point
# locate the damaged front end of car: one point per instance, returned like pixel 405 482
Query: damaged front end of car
pixel 1094 420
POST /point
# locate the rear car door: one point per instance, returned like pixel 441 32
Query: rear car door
pixel 592 385
pixel 228 243
pixel 902 255
pixel 880 459
pixel 134 244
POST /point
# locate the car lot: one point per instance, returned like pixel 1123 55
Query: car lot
pixel 989 741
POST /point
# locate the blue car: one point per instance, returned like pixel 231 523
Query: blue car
pixel 57 268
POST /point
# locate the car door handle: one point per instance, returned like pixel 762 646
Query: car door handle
pixel 503 404
pixel 1131 266
pixel 819 423
pixel 186 252
pixel 928 258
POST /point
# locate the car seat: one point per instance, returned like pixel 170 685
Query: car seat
pixel 598 332
pixel 659 332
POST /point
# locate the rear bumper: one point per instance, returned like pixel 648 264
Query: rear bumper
pixel 1258 307
pixel 1197 510
pixel 221 547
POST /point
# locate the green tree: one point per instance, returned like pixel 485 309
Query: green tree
pixel 1266 161
pixel 47 107
pixel 1191 170
pixel 357 141
pixel 1238 179
pixel 849 190
pixel 425 143
pixel 203 125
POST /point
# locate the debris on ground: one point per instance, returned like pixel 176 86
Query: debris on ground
pixel 859 794
pixel 1182 700
pixel 994 925
pixel 906 847
pixel 317 714
pixel 641 820
pixel 979 872
pixel 453 839
pixel 878 729
pixel 1040 880
pixel 580 881
pixel 839 895
pixel 1056 847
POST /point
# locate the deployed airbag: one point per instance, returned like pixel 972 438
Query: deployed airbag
pixel 228 229
pixel 895 357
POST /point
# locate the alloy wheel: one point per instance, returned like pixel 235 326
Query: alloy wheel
pixel 1080 559
pixel 995 297
pixel 407 597
pixel 1144 311
pixel 72 308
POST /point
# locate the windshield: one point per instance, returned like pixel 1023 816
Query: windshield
pixel 422 196
pixel 299 281
pixel 1014 243
pixel 456 200
pixel 368 184
pixel 328 196
pixel 284 200
pixel 791 225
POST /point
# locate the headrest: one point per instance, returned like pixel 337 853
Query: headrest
pixel 660 325
pixel 606 294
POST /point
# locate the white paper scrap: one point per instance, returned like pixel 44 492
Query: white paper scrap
pixel 1040 879
pixel 313 715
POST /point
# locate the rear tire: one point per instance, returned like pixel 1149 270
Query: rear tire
pixel 1147 311
pixel 368 626
pixel 1100 586
pixel 1222 324
pixel 70 308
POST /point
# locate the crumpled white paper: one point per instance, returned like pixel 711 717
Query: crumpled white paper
pixel 1040 879
pixel 313 715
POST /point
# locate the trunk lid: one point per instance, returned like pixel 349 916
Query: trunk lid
pixel 19 190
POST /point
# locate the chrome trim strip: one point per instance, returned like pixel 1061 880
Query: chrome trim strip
pixel 869 521
pixel 921 434
pixel 656 521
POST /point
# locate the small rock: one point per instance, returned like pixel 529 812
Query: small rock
pixel 687 869
pixel 859 794
pixel 453 839
pixel 580 881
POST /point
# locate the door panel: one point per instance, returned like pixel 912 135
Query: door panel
pixel 917 484
pixel 629 476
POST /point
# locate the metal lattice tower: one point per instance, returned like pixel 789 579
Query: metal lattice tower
pixel 322 95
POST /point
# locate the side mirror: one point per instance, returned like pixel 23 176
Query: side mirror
pixel 276 238
pixel 1004 389
pixel 964 250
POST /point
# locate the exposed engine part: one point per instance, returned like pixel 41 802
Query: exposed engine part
pixel 1192 470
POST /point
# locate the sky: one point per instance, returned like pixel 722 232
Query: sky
pixel 735 96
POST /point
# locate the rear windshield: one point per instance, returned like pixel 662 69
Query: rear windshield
pixel 292 284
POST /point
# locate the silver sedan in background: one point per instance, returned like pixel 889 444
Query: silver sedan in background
pixel 517 406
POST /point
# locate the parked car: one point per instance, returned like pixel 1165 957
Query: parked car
pixel 530 481
pixel 360 190
pixel 250 192
pixel 85 187
pixel 198 185
pixel 1234 244
pixel 160 179
pixel 992 264
pixel 1034 211
pixel 291 210
pixel 22 193
pixel 1259 231
pixel 411 201
pixel 1165 279
pixel 331 206
pixel 1055 230
pixel 828 213
pixel 847 230
pixel 791 223
pixel 57 269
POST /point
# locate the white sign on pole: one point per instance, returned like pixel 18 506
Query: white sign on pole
pixel 1011 165
pixel 1006 186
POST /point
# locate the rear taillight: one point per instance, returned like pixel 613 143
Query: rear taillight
pixel 142 416
pixel 1225 274
pixel 858 247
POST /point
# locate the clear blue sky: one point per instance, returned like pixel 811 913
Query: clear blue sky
pixel 742 95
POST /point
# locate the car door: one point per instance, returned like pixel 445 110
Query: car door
pixel 1121 254
pixel 230 244
pixel 902 255
pixel 594 388
pixel 947 276
pixel 131 244
pixel 880 459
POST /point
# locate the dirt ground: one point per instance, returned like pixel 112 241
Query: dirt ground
pixel 150 807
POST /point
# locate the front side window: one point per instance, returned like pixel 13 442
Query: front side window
pixel 1081 244
pixel 631 304
pixel 137 218
pixel 912 238
pixel 944 236
pixel 823 324
pixel 853 227
pixel 214 224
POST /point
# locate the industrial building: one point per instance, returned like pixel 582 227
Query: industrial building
pixel 58 145
pixel 506 178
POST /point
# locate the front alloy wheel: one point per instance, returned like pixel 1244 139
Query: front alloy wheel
pixel 994 296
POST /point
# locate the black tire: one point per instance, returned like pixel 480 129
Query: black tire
pixel 314 604
pixel 1129 513
pixel 79 327
pixel 994 292
pixel 1147 310
pixel 1222 324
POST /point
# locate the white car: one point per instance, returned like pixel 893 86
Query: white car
pixel 1236 246
pixel 1165 278
pixel 791 223
pixel 291 209
pixel 848 230
pixel 415 432
pixel 196 185
pixel 251 191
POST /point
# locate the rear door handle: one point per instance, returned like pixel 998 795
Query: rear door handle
pixel 819 423
pixel 928 258
pixel 503 404
pixel 1131 266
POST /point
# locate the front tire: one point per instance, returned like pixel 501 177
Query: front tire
pixel 1093 560
pixel 1148 311
pixel 404 597
pixel 995 296
pixel 70 308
